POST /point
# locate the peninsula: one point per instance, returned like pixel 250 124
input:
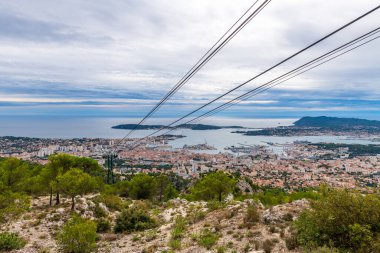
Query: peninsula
pixel 322 125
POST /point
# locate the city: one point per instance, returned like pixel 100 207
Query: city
pixel 298 165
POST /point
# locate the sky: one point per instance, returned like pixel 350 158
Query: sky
pixel 119 57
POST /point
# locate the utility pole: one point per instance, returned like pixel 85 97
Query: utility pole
pixel 109 163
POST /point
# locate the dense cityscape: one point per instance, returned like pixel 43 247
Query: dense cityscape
pixel 299 164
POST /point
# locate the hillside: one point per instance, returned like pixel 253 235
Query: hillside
pixel 219 212
pixel 316 126
pixel 42 222
pixel 334 122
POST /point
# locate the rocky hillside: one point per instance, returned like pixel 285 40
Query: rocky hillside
pixel 208 228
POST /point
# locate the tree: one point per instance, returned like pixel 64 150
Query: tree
pixel 121 188
pixel 12 173
pixel 170 192
pixel 76 182
pixel 58 165
pixel 214 186
pixel 35 185
pixel 90 166
pixel 142 186
pixel 47 176
pixel 161 184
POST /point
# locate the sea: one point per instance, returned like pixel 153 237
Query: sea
pixel 101 127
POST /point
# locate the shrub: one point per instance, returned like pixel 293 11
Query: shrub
pixel 10 241
pixel 342 219
pixel 175 244
pixel 144 205
pixel 111 201
pixel 291 242
pixel 78 235
pixel 195 215
pixel 133 219
pixel 246 248
pixel 12 205
pixel 325 249
pixel 252 216
pixel 215 205
pixel 177 233
pixel 221 249
pixel 256 244
pixel 268 246
pixel 151 234
pixel 272 229
pixel 360 235
pixel 99 212
pixel 207 239
pixel 103 225
pixel 179 228
pixel 288 217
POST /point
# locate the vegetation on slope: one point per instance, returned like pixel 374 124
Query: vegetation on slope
pixel 337 220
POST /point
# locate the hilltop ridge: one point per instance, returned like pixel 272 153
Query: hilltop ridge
pixel 324 121
pixel 321 125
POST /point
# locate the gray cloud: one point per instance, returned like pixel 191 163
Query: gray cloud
pixel 18 28
pixel 140 49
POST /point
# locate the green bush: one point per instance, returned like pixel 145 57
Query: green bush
pixel 207 239
pixel 175 244
pixel 325 249
pixel 78 235
pixel 345 220
pixel 110 201
pixel 12 205
pixel 177 232
pixel 268 246
pixel 291 242
pixel 275 196
pixel 252 216
pixel 195 215
pixel 103 225
pixel 10 241
pixel 179 228
pixel 221 249
pixel 215 205
pixel 99 212
pixel 133 219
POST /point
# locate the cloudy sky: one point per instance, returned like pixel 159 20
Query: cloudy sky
pixel 118 57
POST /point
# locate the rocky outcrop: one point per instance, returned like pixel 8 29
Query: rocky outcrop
pixel 41 224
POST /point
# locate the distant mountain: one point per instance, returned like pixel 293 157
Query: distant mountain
pixel 316 126
pixel 183 126
pixel 334 122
